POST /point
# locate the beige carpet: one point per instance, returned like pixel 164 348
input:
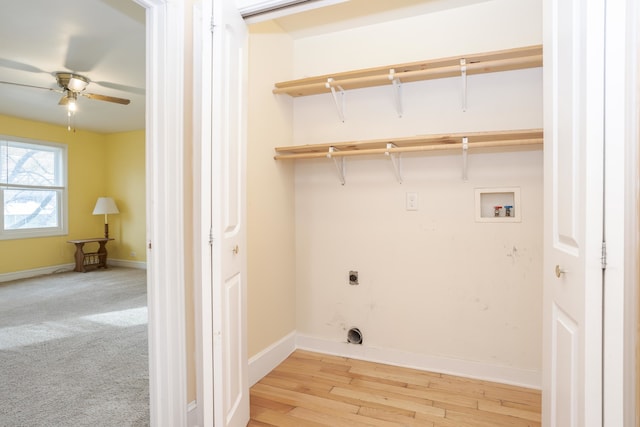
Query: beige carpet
pixel 73 350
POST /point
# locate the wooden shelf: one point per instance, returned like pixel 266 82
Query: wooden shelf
pixel 423 143
pixel 503 60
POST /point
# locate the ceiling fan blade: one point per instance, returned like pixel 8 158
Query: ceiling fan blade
pixel 125 88
pixel 15 65
pixel 106 98
pixel 35 87
pixel 84 53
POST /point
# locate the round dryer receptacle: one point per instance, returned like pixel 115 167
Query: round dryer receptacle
pixel 354 336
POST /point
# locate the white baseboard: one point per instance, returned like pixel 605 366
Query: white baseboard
pixel 192 414
pixel 464 368
pixel 25 274
pixel 127 263
pixel 265 361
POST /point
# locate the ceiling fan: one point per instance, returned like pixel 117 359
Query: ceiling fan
pixel 71 85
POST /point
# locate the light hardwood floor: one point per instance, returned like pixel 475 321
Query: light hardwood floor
pixel 312 389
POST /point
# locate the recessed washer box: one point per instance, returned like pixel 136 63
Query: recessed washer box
pixel 498 204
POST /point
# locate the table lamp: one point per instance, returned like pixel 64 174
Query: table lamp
pixel 106 206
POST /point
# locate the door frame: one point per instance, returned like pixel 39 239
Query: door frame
pixel 164 211
pixel 622 223
pixel 165 222
pixel 203 214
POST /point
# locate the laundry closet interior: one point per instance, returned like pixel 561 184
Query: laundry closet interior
pixel 446 281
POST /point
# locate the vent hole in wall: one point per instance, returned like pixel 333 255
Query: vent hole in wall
pixel 354 336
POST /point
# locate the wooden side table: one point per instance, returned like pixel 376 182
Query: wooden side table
pixel 90 260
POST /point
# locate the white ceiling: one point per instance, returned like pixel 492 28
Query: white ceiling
pixel 103 40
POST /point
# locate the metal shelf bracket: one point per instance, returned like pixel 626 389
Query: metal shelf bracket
pixel 338 162
pixel 339 103
pixel 465 153
pixel 396 162
pixel 397 90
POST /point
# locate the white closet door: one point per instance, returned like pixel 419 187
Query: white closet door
pixel 220 52
pixel 231 385
pixel 573 133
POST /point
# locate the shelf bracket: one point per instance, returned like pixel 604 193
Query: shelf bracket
pixel 338 162
pixel 397 90
pixel 339 103
pixel 463 74
pixel 465 153
pixel 396 162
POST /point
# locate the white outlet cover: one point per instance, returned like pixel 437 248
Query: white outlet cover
pixel 412 201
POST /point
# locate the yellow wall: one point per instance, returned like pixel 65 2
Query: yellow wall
pixel 125 178
pixel 86 177
pixel 92 172
pixel 271 292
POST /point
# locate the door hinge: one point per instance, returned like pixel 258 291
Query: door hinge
pixel 603 256
pixel 210 236
pixel 212 24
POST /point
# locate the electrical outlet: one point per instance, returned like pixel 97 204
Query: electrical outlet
pixel 353 277
pixel 132 254
pixel 412 201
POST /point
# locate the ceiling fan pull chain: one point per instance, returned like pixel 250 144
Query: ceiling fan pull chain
pixel 71 121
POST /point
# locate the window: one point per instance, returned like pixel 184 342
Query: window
pixel 33 188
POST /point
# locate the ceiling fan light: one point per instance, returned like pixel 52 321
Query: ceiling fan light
pixel 77 83
pixel 71 97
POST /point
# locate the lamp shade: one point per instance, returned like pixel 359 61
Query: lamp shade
pixel 105 205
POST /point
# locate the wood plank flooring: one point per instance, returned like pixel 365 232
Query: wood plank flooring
pixel 312 389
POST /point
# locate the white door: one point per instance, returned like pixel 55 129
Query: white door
pixel 220 57
pixel 573 230
pixel 231 386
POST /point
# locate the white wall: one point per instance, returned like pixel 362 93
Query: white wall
pixel 485 26
pixel 435 285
